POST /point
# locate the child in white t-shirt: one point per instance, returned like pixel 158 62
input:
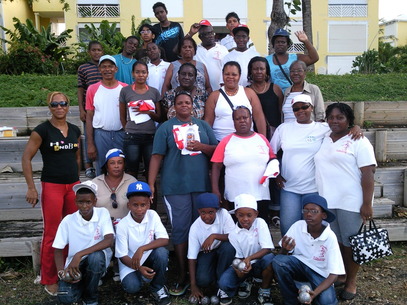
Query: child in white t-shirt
pixel 253 243
pixel 316 257
pixel 89 235
pixel 209 250
pixel 141 239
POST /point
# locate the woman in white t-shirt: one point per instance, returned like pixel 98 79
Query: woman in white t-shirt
pixel 245 155
pixel 344 173
pixel 300 140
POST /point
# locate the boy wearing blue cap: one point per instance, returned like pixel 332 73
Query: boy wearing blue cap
pixel 89 235
pixel 209 250
pixel 141 239
pixel 253 243
pixel 316 257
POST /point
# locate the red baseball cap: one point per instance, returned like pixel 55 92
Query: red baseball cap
pixel 205 22
pixel 241 27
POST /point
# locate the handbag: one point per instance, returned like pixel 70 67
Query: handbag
pixel 371 244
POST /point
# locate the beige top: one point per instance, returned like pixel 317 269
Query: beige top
pixel 104 193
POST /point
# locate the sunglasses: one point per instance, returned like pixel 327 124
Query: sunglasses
pixel 305 107
pixel 114 202
pixel 145 32
pixel 56 104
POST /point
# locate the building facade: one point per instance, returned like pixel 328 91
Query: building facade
pixel 394 31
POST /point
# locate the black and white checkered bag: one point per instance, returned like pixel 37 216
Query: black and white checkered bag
pixel 370 244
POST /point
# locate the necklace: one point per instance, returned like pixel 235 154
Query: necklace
pixel 262 91
pixel 166 27
pixel 126 63
pixel 231 93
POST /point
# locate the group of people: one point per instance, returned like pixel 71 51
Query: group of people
pixel 226 130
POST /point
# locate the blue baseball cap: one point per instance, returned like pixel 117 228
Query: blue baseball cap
pixel 207 200
pixel 320 201
pixel 114 152
pixel 282 33
pixel 138 188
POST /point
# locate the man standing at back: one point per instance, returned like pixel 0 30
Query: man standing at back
pixel 126 59
pixel 241 54
pixel 103 127
pixel 210 53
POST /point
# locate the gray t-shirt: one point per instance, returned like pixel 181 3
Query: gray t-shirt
pixel 129 95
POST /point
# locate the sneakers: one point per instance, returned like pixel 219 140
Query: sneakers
pixel 116 277
pixel 90 173
pixel 161 296
pixel 244 289
pixel 224 299
pixel 264 297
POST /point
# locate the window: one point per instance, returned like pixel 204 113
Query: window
pixel 341 41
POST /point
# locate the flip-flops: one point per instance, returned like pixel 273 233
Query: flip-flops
pixel 346 295
pixel 54 294
pixel 177 289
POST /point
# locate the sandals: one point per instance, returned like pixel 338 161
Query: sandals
pixel 177 289
pixel 275 221
pixel 50 291
pixel 346 295
pixel 90 173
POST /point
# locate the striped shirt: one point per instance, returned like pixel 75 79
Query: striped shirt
pixel 88 74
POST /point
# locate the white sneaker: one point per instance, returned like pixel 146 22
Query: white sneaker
pixel 161 297
pixel 264 298
pixel 244 289
pixel 224 299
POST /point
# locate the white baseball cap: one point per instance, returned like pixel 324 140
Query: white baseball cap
pixel 302 98
pixel 244 201
pixel 86 185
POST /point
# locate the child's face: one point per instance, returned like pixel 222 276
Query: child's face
pixel 245 217
pixel 232 23
pixel 208 215
pixel 313 214
pixel 85 204
pixel 138 206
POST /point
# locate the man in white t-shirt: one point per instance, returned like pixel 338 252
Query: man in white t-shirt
pixel 157 67
pixel 104 130
pixel 89 234
pixel 140 245
pixel 210 53
pixel 241 53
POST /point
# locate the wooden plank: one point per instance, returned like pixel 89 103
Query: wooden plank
pixel 15 247
pixel 21 214
pixel 381 145
pixel 383 208
pixel 397 228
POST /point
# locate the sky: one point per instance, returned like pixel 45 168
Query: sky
pixel 389 9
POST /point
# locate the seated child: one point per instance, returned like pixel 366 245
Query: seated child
pixel 316 257
pixel 89 235
pixel 209 250
pixel 141 239
pixel 252 240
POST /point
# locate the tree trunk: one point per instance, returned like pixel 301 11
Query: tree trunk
pixel 279 19
pixel 307 24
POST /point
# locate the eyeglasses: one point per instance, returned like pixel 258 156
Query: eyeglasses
pixel 55 104
pixel 297 71
pixel 313 212
pixel 305 107
pixel 114 202
pixel 145 32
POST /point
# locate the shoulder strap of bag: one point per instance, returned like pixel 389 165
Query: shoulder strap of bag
pixel 282 70
pixel 226 98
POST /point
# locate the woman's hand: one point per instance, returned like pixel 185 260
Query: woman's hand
pixel 366 212
pixel 92 153
pixel 355 132
pixel 301 36
pixel 280 181
pixel 194 146
pixel 32 196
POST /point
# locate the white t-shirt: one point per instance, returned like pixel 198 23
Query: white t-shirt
pixel 300 143
pixel 81 234
pixel 247 242
pixel 156 74
pixel 104 102
pixel 200 231
pixel 288 113
pixel 321 254
pixel 338 174
pixel 245 160
pixel 130 235
pixel 243 59
pixel 229 42
pixel 212 59
pixel 223 123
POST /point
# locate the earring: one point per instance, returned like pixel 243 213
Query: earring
pixel 49 113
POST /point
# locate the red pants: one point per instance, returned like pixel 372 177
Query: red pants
pixel 57 200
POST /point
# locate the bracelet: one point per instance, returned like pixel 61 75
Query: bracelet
pixel 61 274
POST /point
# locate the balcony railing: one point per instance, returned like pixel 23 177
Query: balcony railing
pixel 98 10
pixel 296 48
pixel 347 10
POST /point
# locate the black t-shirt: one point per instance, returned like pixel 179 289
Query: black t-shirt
pixel 168 38
pixel 59 153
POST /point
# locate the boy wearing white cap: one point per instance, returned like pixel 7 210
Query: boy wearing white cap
pixel 89 234
pixel 253 243
pixel 140 245
pixel 209 250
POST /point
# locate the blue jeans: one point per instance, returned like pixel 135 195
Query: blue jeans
pixel 291 209
pixel 288 269
pixel 92 268
pixel 158 261
pixel 211 265
pixel 136 146
pixel 229 281
pixel 104 141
